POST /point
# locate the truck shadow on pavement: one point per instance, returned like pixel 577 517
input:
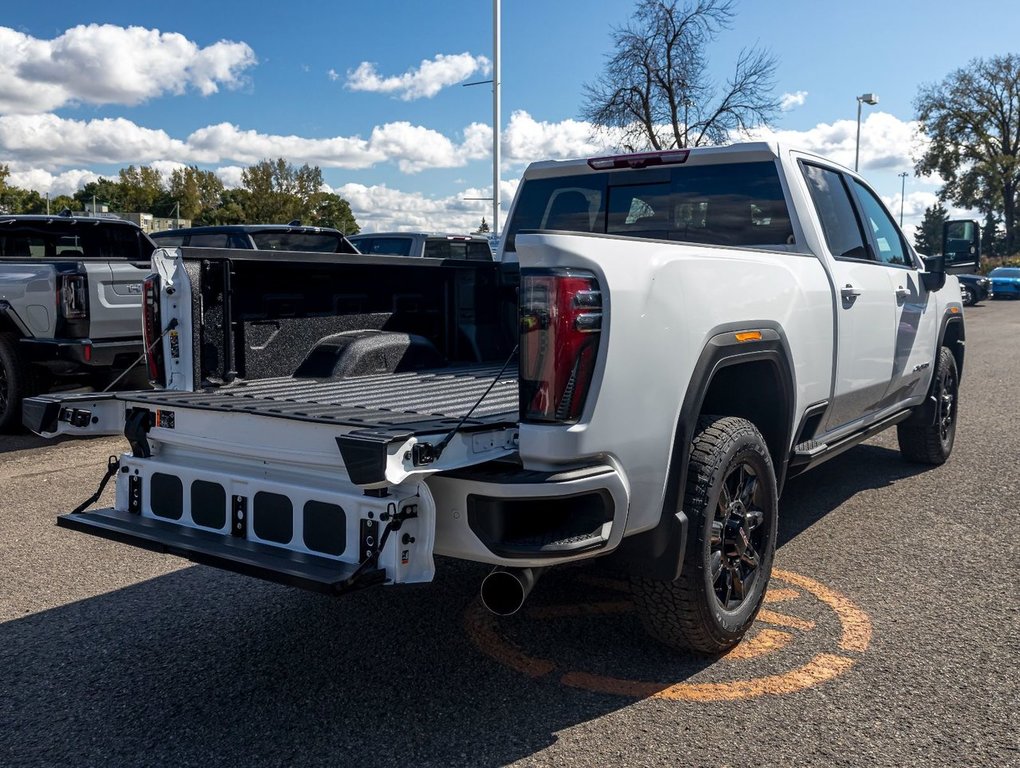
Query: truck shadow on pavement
pixel 204 667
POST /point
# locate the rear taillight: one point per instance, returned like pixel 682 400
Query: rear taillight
pixel 561 323
pixel 74 293
pixel 152 329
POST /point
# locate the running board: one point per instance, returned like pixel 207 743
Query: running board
pixel 220 550
pixel 811 453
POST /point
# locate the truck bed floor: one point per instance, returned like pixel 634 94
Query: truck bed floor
pixel 415 401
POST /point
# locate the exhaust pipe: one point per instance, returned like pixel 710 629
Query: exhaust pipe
pixel 504 590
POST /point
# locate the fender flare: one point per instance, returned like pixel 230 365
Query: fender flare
pixel 659 552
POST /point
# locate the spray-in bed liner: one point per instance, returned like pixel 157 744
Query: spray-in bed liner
pixel 419 401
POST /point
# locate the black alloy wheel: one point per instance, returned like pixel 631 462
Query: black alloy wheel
pixel 737 537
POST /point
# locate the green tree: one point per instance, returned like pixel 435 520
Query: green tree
pixel 198 192
pixel 483 228
pixel 656 89
pixel 331 210
pixel 991 241
pixel 280 192
pixel 62 202
pixel 232 208
pixel 928 234
pixel 141 189
pixel 971 119
pixel 104 191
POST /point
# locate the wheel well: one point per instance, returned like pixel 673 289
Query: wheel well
pixel 953 338
pixel 754 391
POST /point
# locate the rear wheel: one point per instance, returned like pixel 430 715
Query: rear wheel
pixel 967 296
pixel 13 382
pixel 931 443
pixel 731 502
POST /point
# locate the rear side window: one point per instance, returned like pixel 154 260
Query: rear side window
pixel 835 212
pixel 389 246
pixel 168 241
pixel 738 204
pixel 471 250
pixel 209 240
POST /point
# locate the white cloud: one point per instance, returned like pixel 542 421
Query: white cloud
pixel 107 64
pixel 230 175
pixel 526 139
pixel 64 183
pixel 333 75
pixel 790 101
pixel 379 208
pixel 886 141
pixel 431 76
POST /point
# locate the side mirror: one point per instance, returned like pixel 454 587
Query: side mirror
pixel 934 275
pixel 961 246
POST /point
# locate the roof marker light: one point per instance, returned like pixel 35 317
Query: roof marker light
pixel 639 160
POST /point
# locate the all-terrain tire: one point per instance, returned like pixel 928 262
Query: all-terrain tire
pixel 931 443
pixel 14 378
pixel 689 613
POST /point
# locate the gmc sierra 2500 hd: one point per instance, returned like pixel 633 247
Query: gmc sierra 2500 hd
pixel 665 339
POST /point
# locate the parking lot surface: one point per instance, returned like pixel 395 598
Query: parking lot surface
pixel 890 636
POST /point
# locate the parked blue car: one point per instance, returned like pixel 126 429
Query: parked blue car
pixel 1005 282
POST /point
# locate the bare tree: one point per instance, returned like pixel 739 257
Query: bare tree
pixel 656 89
pixel 973 120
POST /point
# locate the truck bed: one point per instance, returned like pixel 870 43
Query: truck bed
pixel 414 401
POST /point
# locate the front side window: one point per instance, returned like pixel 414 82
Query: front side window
pixel 889 244
pixel 388 246
pixel 835 212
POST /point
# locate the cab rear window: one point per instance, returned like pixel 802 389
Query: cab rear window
pixel 84 241
pixel 735 204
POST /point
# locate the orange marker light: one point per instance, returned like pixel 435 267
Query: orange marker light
pixel 954 310
pixel 748 336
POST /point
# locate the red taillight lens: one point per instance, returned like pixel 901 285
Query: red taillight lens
pixel 152 329
pixel 561 322
pixel 74 297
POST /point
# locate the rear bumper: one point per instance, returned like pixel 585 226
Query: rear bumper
pixel 81 355
pixel 502 514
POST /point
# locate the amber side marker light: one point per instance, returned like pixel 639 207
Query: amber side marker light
pixel 954 310
pixel 748 336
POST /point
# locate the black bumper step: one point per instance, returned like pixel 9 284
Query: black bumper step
pixel 297 569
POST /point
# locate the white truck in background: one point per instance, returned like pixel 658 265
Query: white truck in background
pixel 664 340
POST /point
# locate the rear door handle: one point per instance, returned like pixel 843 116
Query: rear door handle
pixel 849 292
pixel 902 293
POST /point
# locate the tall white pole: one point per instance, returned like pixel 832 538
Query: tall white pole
pixel 495 117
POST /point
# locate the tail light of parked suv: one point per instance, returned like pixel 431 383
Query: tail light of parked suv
pixel 73 296
pixel 152 330
pixel 561 322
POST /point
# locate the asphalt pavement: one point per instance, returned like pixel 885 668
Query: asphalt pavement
pixel 891 636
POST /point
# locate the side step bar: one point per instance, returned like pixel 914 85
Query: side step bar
pixel 297 569
pixel 811 453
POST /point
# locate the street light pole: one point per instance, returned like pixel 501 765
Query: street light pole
pixel 495 115
pixel 903 191
pixel 864 98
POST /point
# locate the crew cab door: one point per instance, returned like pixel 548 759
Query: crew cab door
pixel 915 308
pixel 865 302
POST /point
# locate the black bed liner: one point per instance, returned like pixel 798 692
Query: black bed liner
pixel 418 402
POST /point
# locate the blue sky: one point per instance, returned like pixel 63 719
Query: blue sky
pixel 371 92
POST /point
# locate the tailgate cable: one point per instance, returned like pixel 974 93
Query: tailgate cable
pixel 112 465
pixel 441 445
pixel 169 327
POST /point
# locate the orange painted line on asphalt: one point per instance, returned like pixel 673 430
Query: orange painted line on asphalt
pixel 821 668
pixel 781 595
pixel 856 635
pixel 782 620
pixel 586 609
pixel 765 642
pixel 480 627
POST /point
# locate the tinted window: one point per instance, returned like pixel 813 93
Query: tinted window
pixel 442 248
pixel 835 212
pixel 891 249
pixel 168 240
pixel 317 242
pixel 738 204
pixel 389 246
pixel 90 241
pixel 208 240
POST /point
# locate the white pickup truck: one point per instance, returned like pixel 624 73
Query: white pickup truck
pixel 664 340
